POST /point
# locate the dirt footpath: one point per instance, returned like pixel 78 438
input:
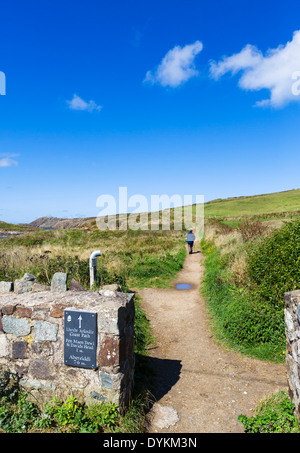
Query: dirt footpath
pixel 203 386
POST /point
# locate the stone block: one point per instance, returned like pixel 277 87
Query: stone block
pixel 59 282
pixel 8 309
pixel 115 313
pixel 40 369
pixel 45 331
pixel 112 351
pixel 75 286
pixel 24 312
pixel 57 311
pixel 6 287
pixel 25 284
pixel 21 286
pixel 42 348
pixel 17 326
pixel 19 349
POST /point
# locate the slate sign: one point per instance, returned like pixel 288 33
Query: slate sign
pixel 80 338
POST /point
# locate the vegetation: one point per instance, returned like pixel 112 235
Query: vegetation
pixel 259 205
pixel 132 259
pixel 252 254
pixel 137 258
pixel 20 415
pixel 252 258
pixel 275 414
pixel 244 284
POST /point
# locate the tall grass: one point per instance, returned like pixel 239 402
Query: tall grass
pixel 139 258
pixel 244 284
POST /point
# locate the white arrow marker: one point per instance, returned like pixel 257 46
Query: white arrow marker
pixel 80 319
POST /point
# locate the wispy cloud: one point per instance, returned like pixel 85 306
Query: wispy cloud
pixel 6 160
pixel 276 71
pixel 176 67
pixel 79 104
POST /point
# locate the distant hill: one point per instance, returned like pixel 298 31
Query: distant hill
pixel 57 223
pixel 279 203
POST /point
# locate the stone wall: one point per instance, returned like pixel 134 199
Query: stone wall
pixel 32 344
pixel 292 329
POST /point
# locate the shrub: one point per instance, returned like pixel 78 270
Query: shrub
pixel 251 230
pixel 274 265
pixel 273 415
pixel 240 318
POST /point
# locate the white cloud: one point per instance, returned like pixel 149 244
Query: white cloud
pixel 176 67
pixel 276 71
pixel 79 104
pixel 7 161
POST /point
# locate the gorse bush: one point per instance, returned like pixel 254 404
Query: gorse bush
pixel 274 265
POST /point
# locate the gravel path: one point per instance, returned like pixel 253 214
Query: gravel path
pixel 201 387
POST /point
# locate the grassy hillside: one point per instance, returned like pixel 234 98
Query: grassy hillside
pixel 258 205
pixel 277 204
pixel 12 227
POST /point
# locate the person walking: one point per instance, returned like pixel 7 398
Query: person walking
pixel 190 238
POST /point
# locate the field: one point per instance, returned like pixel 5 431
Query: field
pixel 282 203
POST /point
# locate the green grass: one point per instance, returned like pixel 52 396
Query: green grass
pixel 12 227
pixel 256 205
pixel 139 258
pixel 280 202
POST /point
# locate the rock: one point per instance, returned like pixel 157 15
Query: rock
pixel 24 285
pixel 29 278
pixel 164 416
pixel 19 327
pixel 75 286
pixel 6 287
pixel 21 286
pixel 45 331
pixel 59 282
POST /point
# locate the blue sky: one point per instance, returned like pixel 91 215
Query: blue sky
pixel 161 97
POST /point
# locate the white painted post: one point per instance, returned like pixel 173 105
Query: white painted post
pixel 93 266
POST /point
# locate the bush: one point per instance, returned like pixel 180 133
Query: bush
pixel 251 230
pixel 243 317
pixel 240 318
pixel 274 265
